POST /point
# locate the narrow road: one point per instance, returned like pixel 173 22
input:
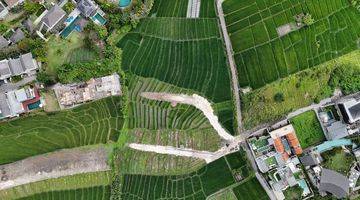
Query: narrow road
pixel 195 100
pixel 234 74
pixel 311 107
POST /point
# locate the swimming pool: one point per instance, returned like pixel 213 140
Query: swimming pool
pixel 99 18
pixel 304 186
pixel 124 3
pixel 35 105
pixel 69 29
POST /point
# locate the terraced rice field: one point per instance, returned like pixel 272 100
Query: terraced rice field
pixel 197 185
pixel 187 53
pixel 262 56
pixel 92 123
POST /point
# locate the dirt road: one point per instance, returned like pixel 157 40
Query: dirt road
pixel 53 165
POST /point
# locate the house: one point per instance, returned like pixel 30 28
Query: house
pixel 334 183
pixel 3 42
pixel 90 9
pixel 52 19
pixel 13 3
pixel 311 159
pixel 29 25
pixel 350 110
pixel 25 64
pixel 17 36
pixel 3 11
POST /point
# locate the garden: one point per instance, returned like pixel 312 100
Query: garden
pixel 338 160
pixel 308 129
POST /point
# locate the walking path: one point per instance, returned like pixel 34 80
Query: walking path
pixel 311 107
pixel 234 74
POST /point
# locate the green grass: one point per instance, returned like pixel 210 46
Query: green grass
pixel 263 57
pixel 178 8
pixel 59 49
pixel 64 183
pixel 338 160
pixel 299 90
pixel 81 55
pixel 91 123
pixel 308 129
pixel 250 190
pixel 225 195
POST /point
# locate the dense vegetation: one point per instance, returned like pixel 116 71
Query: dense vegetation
pixel 91 123
pixel 262 56
pixel 308 129
pixel 299 90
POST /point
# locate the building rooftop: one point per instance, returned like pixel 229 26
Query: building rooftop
pixel 352 110
pixel 4 69
pixel 282 131
pixel 337 130
pixel 11 3
pixel 15 66
pixel 334 183
pixel 87 7
pixel 3 42
pixel 17 36
pixel 55 14
pixel 311 159
pixel 28 62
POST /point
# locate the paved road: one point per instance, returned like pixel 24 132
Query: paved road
pixel 311 107
pixel 234 74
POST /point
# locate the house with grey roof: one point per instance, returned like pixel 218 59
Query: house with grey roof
pixel 13 3
pixel 4 70
pixel 29 25
pixel 350 110
pixel 52 20
pixel 87 7
pixel 17 36
pixel 25 64
pixel 311 159
pixel 334 183
pixel 3 11
pixel 3 42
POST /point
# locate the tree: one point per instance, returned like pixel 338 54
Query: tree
pixel 69 6
pixel 3 28
pixel 45 78
pixel 347 78
pixel 279 97
pixel 308 20
pixel 31 7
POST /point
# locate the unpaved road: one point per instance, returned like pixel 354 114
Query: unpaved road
pixel 233 70
pixel 53 165
pixel 195 100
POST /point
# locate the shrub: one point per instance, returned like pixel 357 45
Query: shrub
pixel 279 97
pixel 308 20
pixel 347 78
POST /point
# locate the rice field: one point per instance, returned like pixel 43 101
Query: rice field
pixel 91 123
pixel 198 184
pixel 178 8
pixel 262 56
pixel 187 53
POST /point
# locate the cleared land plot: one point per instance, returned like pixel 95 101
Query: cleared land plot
pixel 251 189
pixel 262 56
pixel 308 129
pixel 91 123
pixel 197 185
pixel 64 183
pixel 81 54
pixel 93 193
pixel 339 160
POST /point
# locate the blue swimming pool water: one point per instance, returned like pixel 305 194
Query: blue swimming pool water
pixel 99 18
pixel 328 145
pixel 304 186
pixel 34 105
pixel 69 29
pixel 124 3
